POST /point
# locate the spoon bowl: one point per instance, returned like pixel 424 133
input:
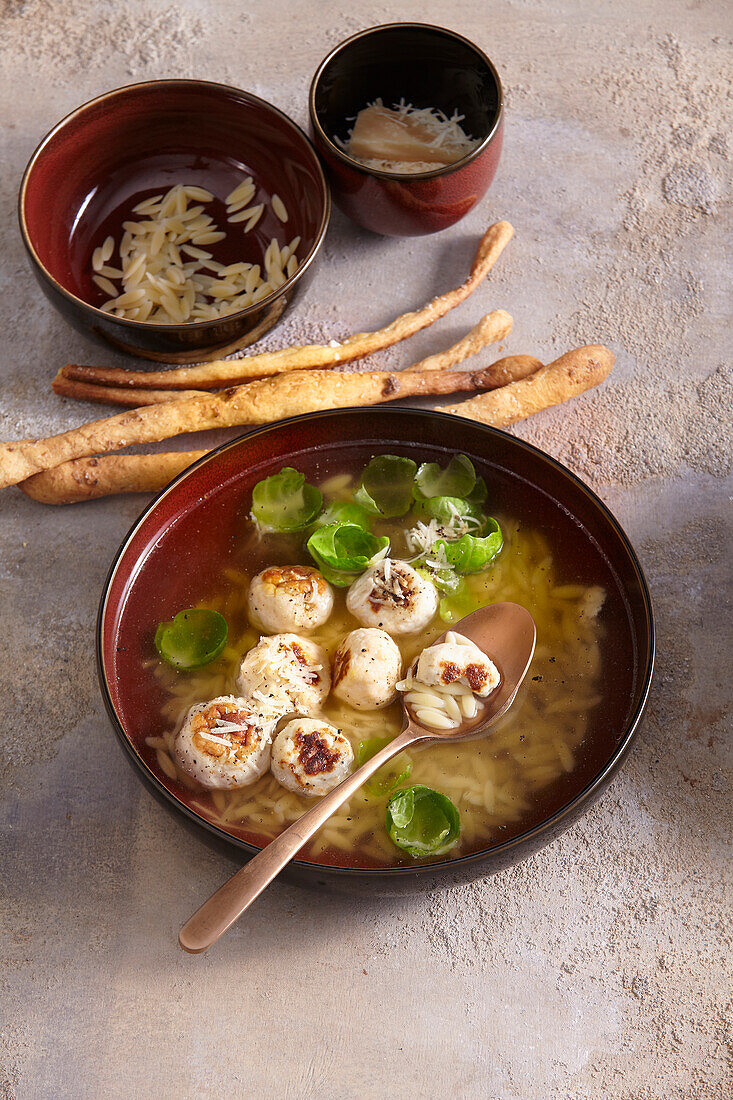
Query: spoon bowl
pixel 506 633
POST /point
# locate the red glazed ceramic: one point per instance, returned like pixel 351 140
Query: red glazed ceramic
pixel 97 163
pixel 429 67
pixel 198 520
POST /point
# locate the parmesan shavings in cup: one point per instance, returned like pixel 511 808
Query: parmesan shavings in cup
pixel 407 139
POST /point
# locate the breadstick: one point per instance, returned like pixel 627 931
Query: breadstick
pixel 89 478
pixel 259 402
pixel 115 395
pixel 227 372
pixel 474 341
pixel 494 326
pixel 511 368
pixel 566 377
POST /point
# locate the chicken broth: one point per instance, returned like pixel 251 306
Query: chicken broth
pixel 549 744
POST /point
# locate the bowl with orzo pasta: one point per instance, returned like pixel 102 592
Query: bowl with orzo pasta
pixel 175 219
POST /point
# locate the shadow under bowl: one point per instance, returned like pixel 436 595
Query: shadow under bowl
pixel 90 171
pixel 426 66
pixel 198 520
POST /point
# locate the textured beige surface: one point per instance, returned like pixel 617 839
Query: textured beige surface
pixel 601 967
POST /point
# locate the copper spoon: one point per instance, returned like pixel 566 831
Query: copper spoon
pixel 506 633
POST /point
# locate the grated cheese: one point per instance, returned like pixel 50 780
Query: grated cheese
pixel 207 736
pixel 286 666
pixel 406 138
pixel 389 582
pixel 422 539
pixel 235 727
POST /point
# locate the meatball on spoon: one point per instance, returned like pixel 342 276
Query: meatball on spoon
pixel 506 633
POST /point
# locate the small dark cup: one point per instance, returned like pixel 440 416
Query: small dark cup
pixel 144 138
pixel 429 67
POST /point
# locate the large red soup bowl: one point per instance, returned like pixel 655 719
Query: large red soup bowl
pixel 167 554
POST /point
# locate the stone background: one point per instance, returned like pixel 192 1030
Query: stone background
pixel 600 967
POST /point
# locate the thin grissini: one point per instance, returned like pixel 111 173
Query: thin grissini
pixel 489 330
pixel 231 372
pixel 510 369
pixel 258 402
pixel 116 395
pixel 105 475
pixel 91 478
pixel 566 377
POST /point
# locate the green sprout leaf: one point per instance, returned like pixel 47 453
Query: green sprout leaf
pixel 340 512
pixel 470 554
pixel 458 603
pixel 343 550
pixel 385 486
pixel 195 637
pixel 422 822
pixel 445 580
pixel 444 509
pixel 395 771
pixel 457 480
pixel 479 492
pixel 285 501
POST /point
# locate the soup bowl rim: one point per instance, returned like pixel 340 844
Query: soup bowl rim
pixel 530 837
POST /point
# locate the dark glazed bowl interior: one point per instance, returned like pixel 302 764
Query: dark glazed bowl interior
pixel 422 64
pixel 429 67
pixel 163 558
pixel 91 169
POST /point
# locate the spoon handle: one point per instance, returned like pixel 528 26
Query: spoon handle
pixel 229 902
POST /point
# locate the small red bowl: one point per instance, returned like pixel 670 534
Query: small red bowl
pixel 88 172
pixel 429 67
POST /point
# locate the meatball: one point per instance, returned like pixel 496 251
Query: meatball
pixel 457 661
pixel 366 668
pixel 393 596
pixel 289 597
pixel 310 757
pixel 224 743
pixel 285 673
